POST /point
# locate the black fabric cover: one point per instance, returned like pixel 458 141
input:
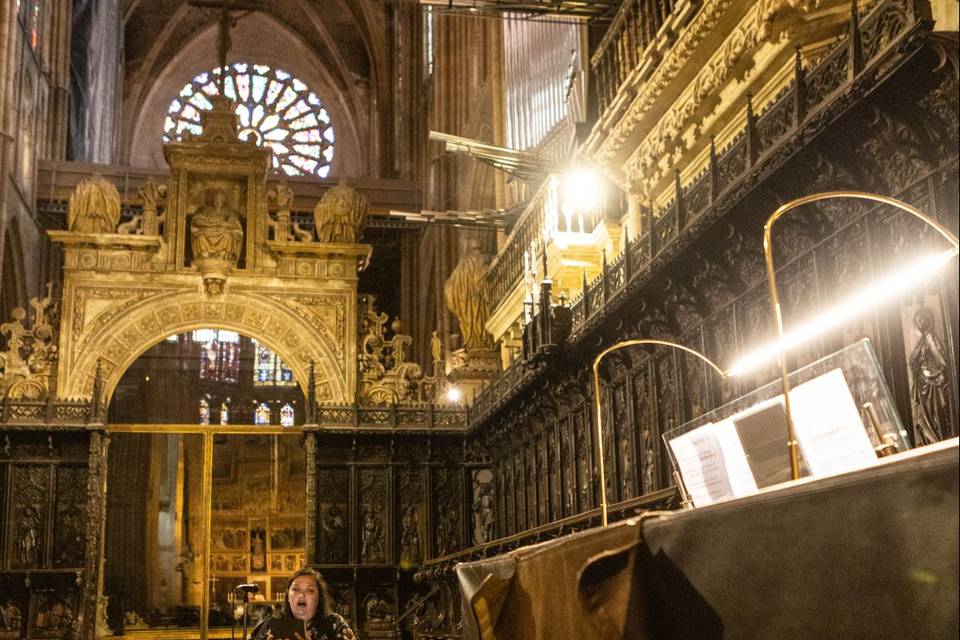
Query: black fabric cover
pixel 869 554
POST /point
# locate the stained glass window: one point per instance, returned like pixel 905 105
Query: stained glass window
pixel 275 109
pixel 204 411
pixel 270 369
pixel 262 414
pixel 286 415
pixel 219 354
pixel 224 413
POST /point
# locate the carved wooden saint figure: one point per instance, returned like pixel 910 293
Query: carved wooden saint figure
pixel 341 214
pixel 928 372
pixel 371 549
pixel 467 297
pixel 27 537
pixel 215 229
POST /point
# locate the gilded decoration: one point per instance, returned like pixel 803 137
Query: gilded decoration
pixel 94 206
pixel 30 351
pixel 341 214
pixel 213 257
pixel 712 71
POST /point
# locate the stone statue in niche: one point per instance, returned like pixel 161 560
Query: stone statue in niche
pixel 467 297
pixel 410 536
pixel 930 384
pixel 371 549
pixel 333 535
pixel 94 206
pixel 28 527
pixel 215 229
pixel 341 214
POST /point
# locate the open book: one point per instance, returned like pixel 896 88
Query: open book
pixel 748 450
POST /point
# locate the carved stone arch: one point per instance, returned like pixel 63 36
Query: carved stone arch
pixel 297 331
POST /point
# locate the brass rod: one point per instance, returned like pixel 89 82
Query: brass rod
pixel 598 410
pixel 775 295
pixel 207 501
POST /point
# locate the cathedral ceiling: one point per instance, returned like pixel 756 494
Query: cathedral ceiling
pixel 332 41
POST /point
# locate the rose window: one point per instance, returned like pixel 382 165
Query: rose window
pixel 275 109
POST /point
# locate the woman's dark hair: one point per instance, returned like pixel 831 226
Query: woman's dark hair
pixel 323 603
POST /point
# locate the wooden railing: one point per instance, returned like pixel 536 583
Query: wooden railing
pixel 627 43
pixel 797 113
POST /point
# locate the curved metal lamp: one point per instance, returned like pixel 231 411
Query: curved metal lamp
pixel 598 410
pixel 775 296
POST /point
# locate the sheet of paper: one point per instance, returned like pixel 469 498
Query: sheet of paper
pixel 712 464
pixel 828 426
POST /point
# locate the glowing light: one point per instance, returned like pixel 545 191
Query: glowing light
pixel 454 394
pixel 582 191
pixel 883 289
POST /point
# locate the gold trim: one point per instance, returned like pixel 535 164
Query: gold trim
pixel 775 295
pixel 598 411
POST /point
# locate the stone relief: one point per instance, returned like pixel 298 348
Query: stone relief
pixel 30 353
pixel 216 233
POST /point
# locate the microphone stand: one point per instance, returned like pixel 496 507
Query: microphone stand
pixel 246 600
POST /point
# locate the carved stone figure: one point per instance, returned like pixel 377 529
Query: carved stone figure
pixel 215 229
pixel 468 299
pixel 94 206
pixel 341 214
pixel 282 195
pixel 928 372
pixel 436 347
pixel 151 193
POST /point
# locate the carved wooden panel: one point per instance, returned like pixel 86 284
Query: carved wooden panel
pixel 373 487
pixel 29 508
pixel 447 517
pixel 333 513
pixel 70 516
pixel 411 517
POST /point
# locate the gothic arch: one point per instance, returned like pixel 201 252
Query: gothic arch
pixel 311 328
pixel 254 40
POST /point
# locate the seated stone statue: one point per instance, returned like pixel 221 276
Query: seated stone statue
pixel 215 229
pixel 94 206
pixel 341 214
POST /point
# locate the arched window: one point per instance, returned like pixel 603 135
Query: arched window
pixel 219 354
pixel 262 414
pixel 269 369
pixel 286 415
pixel 275 109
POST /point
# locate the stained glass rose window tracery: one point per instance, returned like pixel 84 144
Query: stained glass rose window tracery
pixel 275 109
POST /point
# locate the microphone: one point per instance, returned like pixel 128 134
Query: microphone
pixel 248 587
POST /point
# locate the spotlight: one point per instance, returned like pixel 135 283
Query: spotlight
pixel 454 395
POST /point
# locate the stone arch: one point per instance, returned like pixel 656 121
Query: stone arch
pixel 289 328
pixel 254 40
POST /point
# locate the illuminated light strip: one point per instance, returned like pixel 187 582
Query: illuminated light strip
pixel 883 289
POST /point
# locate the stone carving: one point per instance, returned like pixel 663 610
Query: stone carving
pixel 152 194
pixel 28 360
pixel 467 297
pixel 215 230
pixel 386 377
pixel 94 206
pixel 285 229
pixel 930 384
pixel 341 214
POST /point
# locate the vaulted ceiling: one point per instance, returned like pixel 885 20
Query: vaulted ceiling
pixel 336 46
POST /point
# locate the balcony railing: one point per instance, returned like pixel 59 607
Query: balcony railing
pixel 799 111
pixel 628 43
